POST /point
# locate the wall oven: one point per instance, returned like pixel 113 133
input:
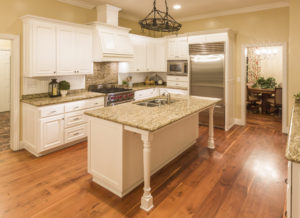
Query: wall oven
pixel 178 68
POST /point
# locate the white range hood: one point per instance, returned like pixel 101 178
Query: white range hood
pixel 111 42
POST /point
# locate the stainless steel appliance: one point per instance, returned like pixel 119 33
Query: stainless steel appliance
pixel 114 95
pixel 178 68
pixel 207 77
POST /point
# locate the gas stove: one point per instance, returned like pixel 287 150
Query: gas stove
pixel 114 95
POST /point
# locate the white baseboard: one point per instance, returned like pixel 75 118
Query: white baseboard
pixel 238 122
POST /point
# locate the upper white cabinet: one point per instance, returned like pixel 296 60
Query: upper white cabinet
pixel 42 60
pixel 52 48
pixel 111 43
pixel 149 55
pixel 177 48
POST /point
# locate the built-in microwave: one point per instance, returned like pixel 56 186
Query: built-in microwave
pixel 178 68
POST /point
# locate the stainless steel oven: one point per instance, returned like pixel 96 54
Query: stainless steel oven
pixel 178 68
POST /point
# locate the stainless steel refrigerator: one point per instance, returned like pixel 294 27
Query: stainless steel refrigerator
pixel 207 74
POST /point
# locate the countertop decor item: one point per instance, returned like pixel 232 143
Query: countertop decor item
pixel 64 86
pixel 53 88
pixel 160 21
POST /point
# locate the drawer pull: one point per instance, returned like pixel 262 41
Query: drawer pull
pixel 52 112
pixel 286 181
pixel 76 119
pixel 76 107
pixel 75 134
pixel 96 103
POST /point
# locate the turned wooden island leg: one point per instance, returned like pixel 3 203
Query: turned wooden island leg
pixel 147 199
pixel 211 141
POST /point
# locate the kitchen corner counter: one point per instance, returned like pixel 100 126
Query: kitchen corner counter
pixel 293 146
pixel 44 101
pixel 153 118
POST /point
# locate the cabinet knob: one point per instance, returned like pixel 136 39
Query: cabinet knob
pixel 54 72
pixel 286 181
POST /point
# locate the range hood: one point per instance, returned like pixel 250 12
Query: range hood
pixel 111 42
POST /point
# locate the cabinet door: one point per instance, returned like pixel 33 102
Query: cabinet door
pixel 44 49
pixel 171 49
pixel 160 63
pixel 66 50
pixel 84 42
pixel 52 132
pixel 139 63
pixel 151 58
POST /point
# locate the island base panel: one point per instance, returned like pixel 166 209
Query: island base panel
pixel 117 164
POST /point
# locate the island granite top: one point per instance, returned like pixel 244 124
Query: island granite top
pixel 293 147
pixel 44 101
pixel 153 118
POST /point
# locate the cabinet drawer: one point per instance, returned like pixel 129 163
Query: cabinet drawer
pixel 75 133
pixel 74 119
pixel 142 94
pixel 177 84
pixel 51 110
pixel 95 102
pixel 177 78
pixel 74 106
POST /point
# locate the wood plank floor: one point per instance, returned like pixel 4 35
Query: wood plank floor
pixel 243 177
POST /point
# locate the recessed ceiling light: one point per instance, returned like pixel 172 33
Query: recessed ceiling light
pixel 177 7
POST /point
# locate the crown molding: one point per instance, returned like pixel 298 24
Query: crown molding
pixel 237 11
pixel 78 3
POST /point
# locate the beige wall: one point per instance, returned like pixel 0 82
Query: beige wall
pixel 294 52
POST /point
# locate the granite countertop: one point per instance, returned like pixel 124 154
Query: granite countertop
pixel 44 101
pixel 153 118
pixel 142 87
pixel 293 147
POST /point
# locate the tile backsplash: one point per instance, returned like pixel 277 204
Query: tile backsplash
pixel 104 72
pixel 140 76
pixel 40 84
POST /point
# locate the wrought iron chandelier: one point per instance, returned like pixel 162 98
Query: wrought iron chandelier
pixel 160 21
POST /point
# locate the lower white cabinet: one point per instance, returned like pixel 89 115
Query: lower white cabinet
pixel 293 190
pixel 49 128
pixel 153 92
pixel 52 132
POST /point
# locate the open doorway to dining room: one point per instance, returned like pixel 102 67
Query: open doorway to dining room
pixel 5 67
pixel 264 85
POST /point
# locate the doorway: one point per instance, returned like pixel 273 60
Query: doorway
pixel 264 86
pixel 5 67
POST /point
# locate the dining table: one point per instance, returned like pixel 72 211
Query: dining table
pixel 265 94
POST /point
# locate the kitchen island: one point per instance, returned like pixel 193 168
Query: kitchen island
pixel 129 142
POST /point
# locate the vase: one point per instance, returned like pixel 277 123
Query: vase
pixel 63 93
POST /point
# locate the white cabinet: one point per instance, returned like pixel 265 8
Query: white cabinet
pixel 177 48
pixel 52 48
pixel 52 131
pixel 42 59
pixel 178 81
pixel 146 93
pixel 149 55
pixel 48 128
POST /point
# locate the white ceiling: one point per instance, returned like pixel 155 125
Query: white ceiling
pixel 138 9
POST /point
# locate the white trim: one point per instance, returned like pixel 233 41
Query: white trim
pixel 284 83
pixel 236 11
pixel 262 7
pixel 238 122
pixel 78 3
pixel 15 91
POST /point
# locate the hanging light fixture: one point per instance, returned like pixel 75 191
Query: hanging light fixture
pixel 160 21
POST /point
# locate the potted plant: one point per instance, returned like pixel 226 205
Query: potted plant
pixel 64 86
pixel 263 83
pixel 297 97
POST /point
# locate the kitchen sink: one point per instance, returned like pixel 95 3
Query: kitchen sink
pixel 154 102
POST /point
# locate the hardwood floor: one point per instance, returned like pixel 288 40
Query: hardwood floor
pixel 243 177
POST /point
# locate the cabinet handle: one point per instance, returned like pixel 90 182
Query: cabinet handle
pixel 75 134
pixel 53 112
pixel 54 72
pixel 286 181
pixel 96 103
pixel 76 107
pixel 76 119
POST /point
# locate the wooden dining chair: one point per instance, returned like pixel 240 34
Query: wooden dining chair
pixel 276 101
pixel 253 101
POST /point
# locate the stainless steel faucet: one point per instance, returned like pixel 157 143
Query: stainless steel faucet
pixel 168 95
